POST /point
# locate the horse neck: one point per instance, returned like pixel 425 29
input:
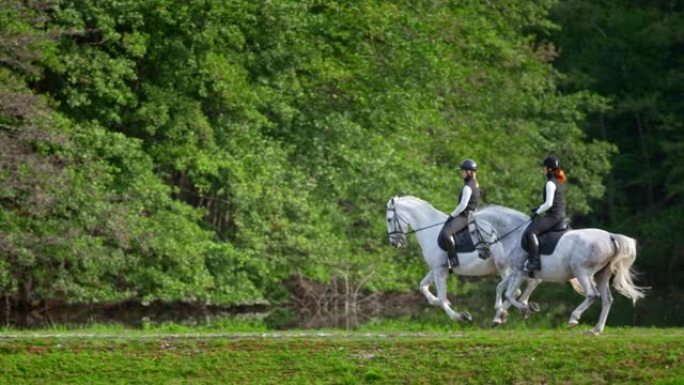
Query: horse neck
pixel 509 224
pixel 419 215
pixel 502 220
pixel 423 218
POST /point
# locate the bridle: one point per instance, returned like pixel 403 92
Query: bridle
pixel 396 222
pixel 398 219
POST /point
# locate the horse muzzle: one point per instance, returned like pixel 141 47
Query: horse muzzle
pixel 398 242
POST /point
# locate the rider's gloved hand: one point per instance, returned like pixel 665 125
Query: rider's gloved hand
pixel 533 214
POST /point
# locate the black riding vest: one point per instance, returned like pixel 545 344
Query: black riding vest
pixel 557 210
pixel 474 196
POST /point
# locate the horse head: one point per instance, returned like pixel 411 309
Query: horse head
pixel 395 228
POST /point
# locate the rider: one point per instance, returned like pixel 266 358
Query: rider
pixel 462 215
pixel 553 206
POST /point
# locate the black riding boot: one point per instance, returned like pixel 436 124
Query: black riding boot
pixel 533 261
pixel 451 251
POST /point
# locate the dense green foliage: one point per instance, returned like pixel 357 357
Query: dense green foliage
pixel 635 356
pixel 631 53
pixel 208 150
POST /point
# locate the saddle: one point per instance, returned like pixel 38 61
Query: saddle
pixel 549 240
pixel 478 235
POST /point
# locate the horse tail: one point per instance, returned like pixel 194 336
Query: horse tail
pixel 621 267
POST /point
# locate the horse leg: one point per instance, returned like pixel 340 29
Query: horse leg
pixel 584 279
pixel 504 299
pixel 532 284
pixel 603 285
pixel 501 303
pixel 501 306
pixel 440 275
pixel 515 280
pixel 425 289
pixel 502 313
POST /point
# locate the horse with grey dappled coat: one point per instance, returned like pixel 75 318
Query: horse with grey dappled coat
pixel 588 258
pixel 409 214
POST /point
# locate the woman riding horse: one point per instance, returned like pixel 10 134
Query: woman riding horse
pixel 553 207
pixel 463 214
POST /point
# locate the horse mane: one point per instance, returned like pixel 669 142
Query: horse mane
pixel 418 201
pixel 412 198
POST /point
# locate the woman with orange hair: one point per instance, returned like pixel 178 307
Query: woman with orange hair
pixel 553 208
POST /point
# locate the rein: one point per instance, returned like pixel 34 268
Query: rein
pixel 398 219
pixel 507 234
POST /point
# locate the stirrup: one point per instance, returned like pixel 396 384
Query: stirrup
pixel 451 266
pixel 527 268
pixel 530 272
pixel 453 263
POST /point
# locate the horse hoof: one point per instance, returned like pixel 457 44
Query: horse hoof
pixel 496 324
pixel 572 324
pixel 534 307
pixel 465 316
pixel 525 312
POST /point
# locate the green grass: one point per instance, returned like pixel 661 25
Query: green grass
pixel 367 356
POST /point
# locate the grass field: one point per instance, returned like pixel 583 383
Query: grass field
pixel 371 356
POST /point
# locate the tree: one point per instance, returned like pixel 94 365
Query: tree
pixel 212 150
pixel 631 53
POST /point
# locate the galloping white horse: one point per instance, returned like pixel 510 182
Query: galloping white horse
pixel 588 258
pixel 407 212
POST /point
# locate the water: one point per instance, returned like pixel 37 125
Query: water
pixel 326 310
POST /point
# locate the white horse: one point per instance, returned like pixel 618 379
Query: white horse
pixel 588 258
pixel 407 212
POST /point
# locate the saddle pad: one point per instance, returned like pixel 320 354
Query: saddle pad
pixel 547 242
pixel 464 241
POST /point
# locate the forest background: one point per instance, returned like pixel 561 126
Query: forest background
pixel 214 152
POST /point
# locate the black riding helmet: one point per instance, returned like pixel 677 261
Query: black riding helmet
pixel 469 164
pixel 551 162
